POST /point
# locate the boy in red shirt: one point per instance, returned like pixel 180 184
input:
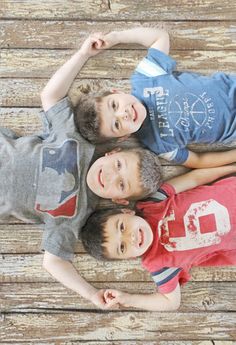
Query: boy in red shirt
pixel 196 227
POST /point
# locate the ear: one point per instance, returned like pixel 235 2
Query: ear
pixel 123 202
pixel 115 150
pixel 128 211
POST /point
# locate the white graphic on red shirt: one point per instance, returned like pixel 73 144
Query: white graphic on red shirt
pixel 195 237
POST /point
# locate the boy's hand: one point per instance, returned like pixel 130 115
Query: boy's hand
pixel 110 39
pixel 113 297
pixel 98 299
pixel 93 45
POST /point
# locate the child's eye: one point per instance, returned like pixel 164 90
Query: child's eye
pixel 122 228
pixel 122 247
pixel 122 186
pixel 117 124
pixel 118 164
pixel 113 104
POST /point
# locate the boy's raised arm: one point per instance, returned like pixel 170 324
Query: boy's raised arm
pixel 148 37
pixel 199 177
pixel 59 84
pixel 151 302
pixel 65 273
pixel 210 159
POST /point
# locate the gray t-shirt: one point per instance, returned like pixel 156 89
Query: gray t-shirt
pixel 43 179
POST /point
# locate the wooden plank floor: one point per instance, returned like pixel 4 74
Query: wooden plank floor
pixel 36 37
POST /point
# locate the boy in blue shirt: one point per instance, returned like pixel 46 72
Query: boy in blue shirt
pixel 167 109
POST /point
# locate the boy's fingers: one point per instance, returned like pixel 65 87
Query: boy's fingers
pixel 108 295
pixel 112 303
pixel 98 44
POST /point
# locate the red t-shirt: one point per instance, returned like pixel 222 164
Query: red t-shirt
pixel 192 228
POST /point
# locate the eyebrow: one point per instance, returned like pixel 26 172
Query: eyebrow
pixel 128 182
pixel 109 108
pixel 109 101
pixel 116 227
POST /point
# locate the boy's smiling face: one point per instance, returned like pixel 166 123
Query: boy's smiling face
pixel 120 114
pixel 127 236
pixel 115 176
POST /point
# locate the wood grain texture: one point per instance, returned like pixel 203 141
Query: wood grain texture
pixel 26 92
pixel 129 342
pixel 38 63
pixel 28 268
pixel 119 10
pixel 53 297
pixel 117 325
pixel 197 35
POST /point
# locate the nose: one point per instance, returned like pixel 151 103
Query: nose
pixel 123 115
pixel 110 178
pixel 130 237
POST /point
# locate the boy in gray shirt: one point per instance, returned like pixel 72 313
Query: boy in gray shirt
pixel 43 178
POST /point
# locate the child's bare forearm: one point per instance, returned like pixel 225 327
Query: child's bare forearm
pixel 65 273
pixel 60 83
pixel 140 35
pixel 58 86
pixel 210 159
pixel 199 177
pixel 152 302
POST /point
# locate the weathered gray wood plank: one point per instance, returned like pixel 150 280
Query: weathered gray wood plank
pixel 121 325
pixel 28 268
pixel 44 297
pixel 119 9
pixel 130 342
pixel 69 34
pixel 39 63
pixel 26 92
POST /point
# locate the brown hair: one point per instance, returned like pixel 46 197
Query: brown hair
pixel 149 169
pixel 86 117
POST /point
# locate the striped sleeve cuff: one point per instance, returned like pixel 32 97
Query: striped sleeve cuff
pixel 150 69
pixel 166 278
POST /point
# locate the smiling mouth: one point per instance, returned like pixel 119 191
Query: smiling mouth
pixel 135 114
pixel 140 238
pixel 100 181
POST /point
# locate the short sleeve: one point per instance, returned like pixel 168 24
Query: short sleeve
pixel 178 156
pixel 156 63
pixel 59 117
pixel 163 193
pixel 167 189
pixel 167 278
pixel 59 241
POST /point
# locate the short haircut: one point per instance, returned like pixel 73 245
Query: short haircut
pixel 87 120
pixel 149 172
pixel 93 235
